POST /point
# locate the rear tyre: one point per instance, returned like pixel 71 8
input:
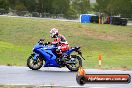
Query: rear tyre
pixel 34 64
pixel 74 66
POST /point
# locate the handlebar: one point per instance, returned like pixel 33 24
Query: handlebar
pixel 41 41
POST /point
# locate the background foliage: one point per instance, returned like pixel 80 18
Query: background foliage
pixel 70 8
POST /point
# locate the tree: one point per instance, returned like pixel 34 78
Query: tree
pixel 81 6
pixel 102 6
pixel 29 4
pixel 114 7
pixel 71 13
pixel 123 8
pixel 4 5
pixel 60 6
pixel 20 7
pixel 44 6
pixel 84 6
pixel 12 4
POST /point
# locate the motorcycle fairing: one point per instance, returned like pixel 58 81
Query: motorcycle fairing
pixel 49 56
pixel 69 51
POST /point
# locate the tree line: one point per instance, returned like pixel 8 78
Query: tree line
pixel 115 7
pixel 70 8
pixel 67 7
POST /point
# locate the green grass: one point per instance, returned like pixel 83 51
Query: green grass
pixel 18 35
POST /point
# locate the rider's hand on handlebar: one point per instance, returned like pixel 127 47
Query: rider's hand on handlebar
pixel 47 43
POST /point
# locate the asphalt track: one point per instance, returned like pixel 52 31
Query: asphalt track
pixel 11 75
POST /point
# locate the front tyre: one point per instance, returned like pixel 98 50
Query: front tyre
pixel 76 62
pixel 34 64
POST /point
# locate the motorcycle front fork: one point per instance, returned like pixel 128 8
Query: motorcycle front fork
pixel 35 55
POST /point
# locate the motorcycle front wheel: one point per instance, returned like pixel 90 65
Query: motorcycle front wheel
pixel 75 63
pixel 34 64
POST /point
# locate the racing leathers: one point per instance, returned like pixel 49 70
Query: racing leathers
pixel 62 44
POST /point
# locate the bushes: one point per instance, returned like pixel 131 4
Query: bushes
pixel 4 7
pixel 19 8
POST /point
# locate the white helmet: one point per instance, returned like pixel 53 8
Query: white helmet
pixel 53 32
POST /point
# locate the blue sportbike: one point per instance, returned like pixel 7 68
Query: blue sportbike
pixel 44 54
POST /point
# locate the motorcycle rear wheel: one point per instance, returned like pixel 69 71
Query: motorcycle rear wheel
pixel 75 67
pixel 34 64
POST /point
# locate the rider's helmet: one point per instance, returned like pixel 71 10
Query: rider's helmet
pixel 53 32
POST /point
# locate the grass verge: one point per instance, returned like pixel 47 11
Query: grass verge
pixel 114 43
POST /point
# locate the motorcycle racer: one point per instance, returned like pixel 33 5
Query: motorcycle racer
pixel 60 40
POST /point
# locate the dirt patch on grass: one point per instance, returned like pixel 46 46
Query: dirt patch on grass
pixel 102 36
pixel 105 35
pixel 124 68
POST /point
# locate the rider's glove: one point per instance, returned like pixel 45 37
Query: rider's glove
pixel 58 50
pixel 47 43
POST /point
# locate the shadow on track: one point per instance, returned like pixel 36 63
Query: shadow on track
pixel 52 70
